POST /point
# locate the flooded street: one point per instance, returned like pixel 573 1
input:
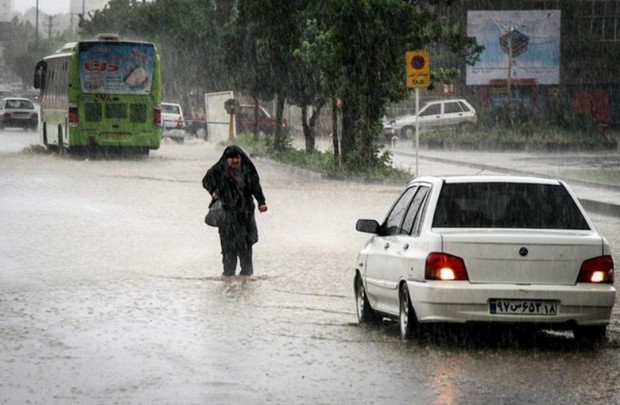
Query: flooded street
pixel 111 294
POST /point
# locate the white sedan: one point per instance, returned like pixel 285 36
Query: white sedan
pixel 492 249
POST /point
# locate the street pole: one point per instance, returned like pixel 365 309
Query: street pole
pixel 417 130
pixel 36 30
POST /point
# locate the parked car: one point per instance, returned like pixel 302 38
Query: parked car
pixel 6 93
pixel 173 122
pixel 449 112
pixel 245 119
pixel 388 130
pixel 19 113
pixel 489 249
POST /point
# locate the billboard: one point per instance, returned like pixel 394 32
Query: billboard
pixel 77 6
pixel 116 68
pixel 6 10
pixel 519 46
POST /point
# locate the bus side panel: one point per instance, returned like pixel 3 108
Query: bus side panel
pixel 55 100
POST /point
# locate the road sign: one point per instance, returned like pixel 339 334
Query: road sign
pixel 417 67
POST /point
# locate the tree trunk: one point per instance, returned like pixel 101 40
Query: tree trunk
pixel 347 142
pixel 335 130
pixel 278 141
pixel 308 130
pixel 255 126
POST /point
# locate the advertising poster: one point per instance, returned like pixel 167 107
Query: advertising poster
pixel 519 45
pixel 117 68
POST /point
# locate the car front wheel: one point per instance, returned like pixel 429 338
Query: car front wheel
pixel 365 314
pixel 409 326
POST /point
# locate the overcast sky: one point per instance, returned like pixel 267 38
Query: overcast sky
pixel 47 6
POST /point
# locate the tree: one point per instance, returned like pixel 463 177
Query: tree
pixel 186 33
pixel 22 51
pixel 259 51
pixel 359 46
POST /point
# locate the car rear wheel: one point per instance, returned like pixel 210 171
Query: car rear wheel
pixel 409 326
pixel 408 132
pixel 365 314
pixel 590 335
pixel 464 127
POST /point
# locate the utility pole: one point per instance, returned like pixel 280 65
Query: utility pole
pixel 50 25
pixel 36 30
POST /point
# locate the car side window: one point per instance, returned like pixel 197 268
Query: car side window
pixel 411 225
pixel 392 223
pixel 244 113
pixel 464 107
pixel 434 109
pixel 452 108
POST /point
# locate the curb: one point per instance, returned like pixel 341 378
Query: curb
pixel 594 206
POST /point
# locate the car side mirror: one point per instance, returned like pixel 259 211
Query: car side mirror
pixel 367 226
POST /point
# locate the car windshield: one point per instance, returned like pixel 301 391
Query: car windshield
pixel 19 104
pixel 507 205
pixel 170 109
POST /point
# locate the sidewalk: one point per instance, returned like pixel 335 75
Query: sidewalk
pixel 572 167
pixel 575 168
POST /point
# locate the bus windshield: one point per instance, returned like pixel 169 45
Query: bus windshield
pixel 116 68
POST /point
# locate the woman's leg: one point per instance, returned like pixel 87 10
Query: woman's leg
pixel 229 260
pixel 245 259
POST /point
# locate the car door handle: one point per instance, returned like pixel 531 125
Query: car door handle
pixel 406 246
pixel 386 246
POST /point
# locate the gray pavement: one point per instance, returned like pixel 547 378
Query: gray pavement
pixel 592 175
pixel 578 169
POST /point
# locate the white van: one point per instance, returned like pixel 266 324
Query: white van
pixel 449 112
pixel 172 122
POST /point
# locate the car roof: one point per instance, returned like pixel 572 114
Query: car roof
pixel 174 104
pixel 17 98
pixel 436 180
pixel 447 100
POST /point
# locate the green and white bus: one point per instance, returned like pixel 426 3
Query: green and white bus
pixel 103 93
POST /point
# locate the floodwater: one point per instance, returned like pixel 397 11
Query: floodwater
pixel 111 294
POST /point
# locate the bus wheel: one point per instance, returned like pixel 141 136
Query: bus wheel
pixel 61 148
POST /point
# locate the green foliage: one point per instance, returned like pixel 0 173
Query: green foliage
pixel 21 50
pixel 304 52
pixel 187 35
pixel 320 162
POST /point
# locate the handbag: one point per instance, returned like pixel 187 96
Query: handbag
pixel 215 216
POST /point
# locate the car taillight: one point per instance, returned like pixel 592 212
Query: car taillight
pixel 73 115
pixel 597 270
pixel 180 123
pixel 34 116
pixel 442 266
pixel 7 115
pixel 157 116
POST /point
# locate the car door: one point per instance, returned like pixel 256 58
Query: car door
pixel 386 251
pixel 430 115
pixel 453 113
pixel 410 252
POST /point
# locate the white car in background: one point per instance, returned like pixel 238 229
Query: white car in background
pixel 173 122
pixel 486 249
pixel 449 112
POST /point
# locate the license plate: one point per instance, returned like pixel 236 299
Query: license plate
pixel 116 136
pixel 523 307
